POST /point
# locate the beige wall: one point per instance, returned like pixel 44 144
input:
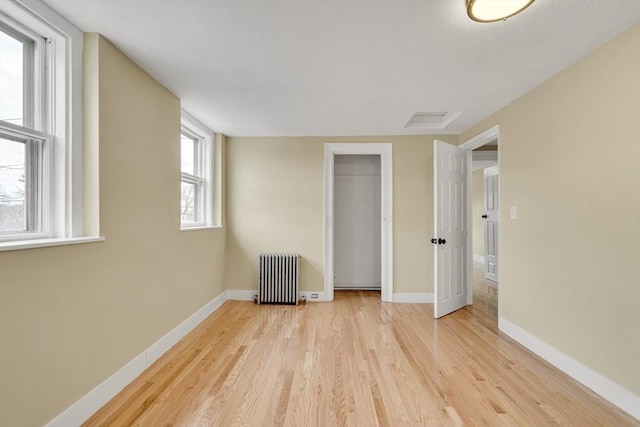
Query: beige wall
pixel 570 162
pixel 275 203
pixel 477 192
pixel 71 316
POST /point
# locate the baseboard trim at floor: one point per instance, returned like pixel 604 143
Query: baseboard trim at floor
pixel 613 392
pixel 84 408
pixel 418 298
pixel 478 258
pixel 308 295
pixel 240 295
pixel 244 295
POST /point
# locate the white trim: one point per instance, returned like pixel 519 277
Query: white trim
pixel 491 170
pixel 611 391
pixel 306 295
pixel 161 346
pixel 484 138
pixel 200 227
pixel 247 295
pixel 44 243
pixel 196 129
pixel 64 99
pixel 192 122
pixel 386 201
pixel 481 164
pixel 241 295
pixel 485 156
pixel 416 298
pixel 89 404
pixel 478 258
pixel 81 410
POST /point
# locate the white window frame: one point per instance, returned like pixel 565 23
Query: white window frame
pixel 202 178
pixel 57 112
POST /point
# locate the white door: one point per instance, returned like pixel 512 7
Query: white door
pixel 491 223
pixel 450 225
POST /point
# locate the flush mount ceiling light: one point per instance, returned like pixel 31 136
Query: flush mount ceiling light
pixel 495 10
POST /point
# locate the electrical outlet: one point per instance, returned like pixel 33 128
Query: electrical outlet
pixel 314 296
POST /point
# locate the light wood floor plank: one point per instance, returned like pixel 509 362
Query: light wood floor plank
pixel 355 362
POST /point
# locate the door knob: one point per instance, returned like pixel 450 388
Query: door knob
pixel 434 241
pixel 441 241
pixel 484 216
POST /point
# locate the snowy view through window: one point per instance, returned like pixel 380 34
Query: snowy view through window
pixel 187 189
pixel 12 153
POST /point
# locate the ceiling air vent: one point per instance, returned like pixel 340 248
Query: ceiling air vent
pixel 432 120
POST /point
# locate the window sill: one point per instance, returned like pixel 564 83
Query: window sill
pixel 43 243
pixel 201 227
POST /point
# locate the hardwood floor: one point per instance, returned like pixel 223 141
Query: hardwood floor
pixel 354 362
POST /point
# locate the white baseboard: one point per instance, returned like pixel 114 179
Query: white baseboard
pixel 420 297
pixel 238 295
pixel 478 258
pixel 84 408
pixel 613 392
pixel 244 295
pixel 307 295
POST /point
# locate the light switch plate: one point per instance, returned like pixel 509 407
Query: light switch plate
pixel 514 212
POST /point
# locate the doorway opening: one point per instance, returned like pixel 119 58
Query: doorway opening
pixel 376 158
pixel 485 209
pixel 357 222
pixel 484 160
pixel 453 222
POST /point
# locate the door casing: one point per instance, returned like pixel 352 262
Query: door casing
pixel 384 150
pixel 493 217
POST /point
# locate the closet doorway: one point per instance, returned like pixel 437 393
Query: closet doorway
pixel 383 152
pixel 357 222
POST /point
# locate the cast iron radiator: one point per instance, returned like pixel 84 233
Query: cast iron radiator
pixel 278 279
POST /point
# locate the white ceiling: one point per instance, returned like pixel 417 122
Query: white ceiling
pixel 346 67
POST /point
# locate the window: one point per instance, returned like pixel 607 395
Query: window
pixel 40 144
pixel 196 183
pixel 24 148
pixel 193 181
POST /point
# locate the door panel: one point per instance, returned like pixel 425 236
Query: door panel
pixel 491 205
pixel 450 198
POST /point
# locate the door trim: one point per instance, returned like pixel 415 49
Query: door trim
pixel 384 150
pixel 491 170
pixel 477 141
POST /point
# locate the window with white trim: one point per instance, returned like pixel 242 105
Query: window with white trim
pixel 24 147
pixel 40 144
pixel 196 177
